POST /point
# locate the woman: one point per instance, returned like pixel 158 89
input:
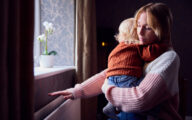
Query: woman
pixel 160 84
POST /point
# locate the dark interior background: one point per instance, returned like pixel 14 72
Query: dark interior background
pixel 110 13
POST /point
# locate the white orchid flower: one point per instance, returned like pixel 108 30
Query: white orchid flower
pixel 45 23
pixel 41 38
pixel 48 27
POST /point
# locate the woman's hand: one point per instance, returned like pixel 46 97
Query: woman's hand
pixel 66 94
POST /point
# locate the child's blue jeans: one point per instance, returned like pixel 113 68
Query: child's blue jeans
pixel 124 81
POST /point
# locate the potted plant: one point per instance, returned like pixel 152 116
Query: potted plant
pixel 47 58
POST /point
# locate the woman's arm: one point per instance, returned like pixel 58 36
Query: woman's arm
pixel 159 84
pixel 90 87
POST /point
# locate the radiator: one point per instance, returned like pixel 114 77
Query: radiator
pixel 48 107
pixel 69 110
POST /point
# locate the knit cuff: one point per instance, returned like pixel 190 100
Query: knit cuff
pixel 76 92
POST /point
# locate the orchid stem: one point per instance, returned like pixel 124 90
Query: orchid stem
pixel 46 43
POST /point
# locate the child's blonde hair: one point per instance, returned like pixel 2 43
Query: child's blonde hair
pixel 127 33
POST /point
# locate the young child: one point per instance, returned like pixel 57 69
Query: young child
pixel 126 62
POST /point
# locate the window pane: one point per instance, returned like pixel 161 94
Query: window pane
pixel 61 14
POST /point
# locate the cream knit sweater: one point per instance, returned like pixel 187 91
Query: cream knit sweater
pixel 159 87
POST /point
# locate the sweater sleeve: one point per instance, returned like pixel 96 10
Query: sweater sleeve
pixel 154 89
pixel 89 88
pixel 151 51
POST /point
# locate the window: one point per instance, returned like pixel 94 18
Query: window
pixel 61 14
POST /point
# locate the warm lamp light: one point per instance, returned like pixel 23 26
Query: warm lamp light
pixel 103 44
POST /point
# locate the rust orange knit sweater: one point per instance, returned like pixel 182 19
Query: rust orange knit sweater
pixel 128 59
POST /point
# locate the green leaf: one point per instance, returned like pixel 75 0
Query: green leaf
pixel 52 53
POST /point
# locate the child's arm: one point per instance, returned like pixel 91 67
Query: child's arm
pixel 151 51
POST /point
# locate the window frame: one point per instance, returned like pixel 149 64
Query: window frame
pixel 36 49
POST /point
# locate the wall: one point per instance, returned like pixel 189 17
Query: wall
pixel 61 14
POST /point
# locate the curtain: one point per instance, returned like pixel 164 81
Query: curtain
pixel 86 51
pixel 16 61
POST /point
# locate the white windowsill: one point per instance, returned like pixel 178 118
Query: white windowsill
pixel 40 72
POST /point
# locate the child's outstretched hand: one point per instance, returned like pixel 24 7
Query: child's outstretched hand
pixel 66 94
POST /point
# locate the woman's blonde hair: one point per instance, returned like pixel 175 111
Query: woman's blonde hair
pixel 126 31
pixel 159 18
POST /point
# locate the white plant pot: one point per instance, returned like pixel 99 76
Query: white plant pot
pixel 46 61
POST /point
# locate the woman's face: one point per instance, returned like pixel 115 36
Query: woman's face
pixel 145 34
